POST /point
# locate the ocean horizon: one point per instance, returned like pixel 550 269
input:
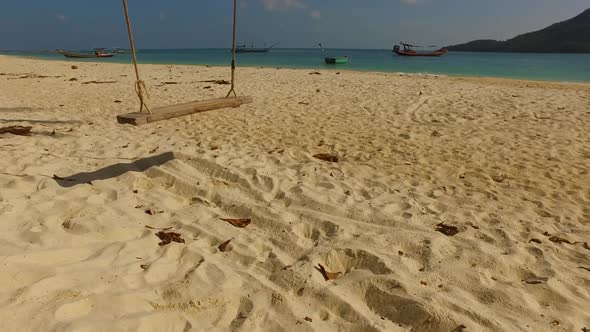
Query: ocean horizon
pixel 531 66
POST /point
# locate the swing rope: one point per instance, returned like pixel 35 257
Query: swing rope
pixel 140 88
pixel 233 56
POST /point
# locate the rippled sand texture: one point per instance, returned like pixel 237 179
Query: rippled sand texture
pixel 506 162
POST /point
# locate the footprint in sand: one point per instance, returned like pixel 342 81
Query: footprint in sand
pixel 347 260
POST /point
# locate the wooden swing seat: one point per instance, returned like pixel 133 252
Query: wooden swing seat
pixel 173 111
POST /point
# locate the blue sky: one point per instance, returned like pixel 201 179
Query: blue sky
pixel 77 24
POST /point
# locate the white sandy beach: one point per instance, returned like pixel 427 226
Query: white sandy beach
pixel 507 162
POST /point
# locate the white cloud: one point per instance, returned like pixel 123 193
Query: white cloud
pixel 285 5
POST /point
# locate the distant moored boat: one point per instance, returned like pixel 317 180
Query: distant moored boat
pixel 336 60
pixel 406 50
pixel 244 49
pixel 96 54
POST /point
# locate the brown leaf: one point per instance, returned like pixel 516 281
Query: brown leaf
pixel 16 130
pixel 168 237
pixel 161 229
pixel 459 328
pixel 423 283
pixel 558 239
pixel 73 79
pixel 327 275
pixel 536 280
pixel 554 323
pixel 326 157
pixel 315 73
pixel 447 230
pixel 144 266
pixel 308 319
pixel 99 82
pixel 154 150
pixel 74 67
pixel 535 240
pixel 117 101
pixel 584 268
pixel 241 223
pixel 220 82
pixel 151 211
pixel 223 247
pixel 300 291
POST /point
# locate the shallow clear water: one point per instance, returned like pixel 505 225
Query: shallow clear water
pixel 552 67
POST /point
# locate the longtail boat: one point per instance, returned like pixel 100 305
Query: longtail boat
pixel 406 50
pixel 96 54
pixel 336 60
pixel 244 49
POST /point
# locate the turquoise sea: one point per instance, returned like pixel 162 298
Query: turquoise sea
pixel 534 66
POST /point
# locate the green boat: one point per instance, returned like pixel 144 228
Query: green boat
pixel 337 60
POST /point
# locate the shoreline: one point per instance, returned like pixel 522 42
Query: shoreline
pixel 457 76
pixel 447 202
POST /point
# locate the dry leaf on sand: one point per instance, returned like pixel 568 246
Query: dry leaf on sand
pixel 459 328
pixel 447 230
pixel 536 280
pixel 168 237
pixel 327 275
pixel 241 223
pixel 16 130
pixel 223 247
pixel 558 239
pixel 161 229
pixel 326 157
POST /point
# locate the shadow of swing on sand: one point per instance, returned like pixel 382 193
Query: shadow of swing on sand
pixel 24 110
pixel 114 171
pixel 38 121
